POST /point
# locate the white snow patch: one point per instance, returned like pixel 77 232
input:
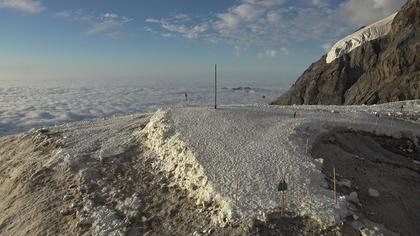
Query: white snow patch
pixel 251 147
pixel 104 220
pixel 216 150
pixel 176 158
pixel 373 192
pixel 358 38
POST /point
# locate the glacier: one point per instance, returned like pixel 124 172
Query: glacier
pixel 360 37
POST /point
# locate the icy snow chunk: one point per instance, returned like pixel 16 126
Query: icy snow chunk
pixel 373 192
pixel 130 206
pixel 358 38
pixel 345 183
pixel 353 197
pixel 104 220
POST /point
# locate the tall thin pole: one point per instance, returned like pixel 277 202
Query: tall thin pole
pixel 282 203
pixel 215 86
pixel 335 186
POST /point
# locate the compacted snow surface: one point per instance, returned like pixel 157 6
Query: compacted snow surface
pixel 237 155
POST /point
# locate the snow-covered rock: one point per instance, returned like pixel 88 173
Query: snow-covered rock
pixel 345 183
pixel 373 192
pixel 353 197
pixel 358 38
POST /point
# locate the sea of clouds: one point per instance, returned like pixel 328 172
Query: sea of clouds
pixel 37 105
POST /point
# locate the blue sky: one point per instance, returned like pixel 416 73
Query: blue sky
pixel 174 40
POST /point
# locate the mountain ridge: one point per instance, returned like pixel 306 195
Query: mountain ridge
pixel 383 70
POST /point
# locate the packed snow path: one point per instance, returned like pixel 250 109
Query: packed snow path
pixel 238 154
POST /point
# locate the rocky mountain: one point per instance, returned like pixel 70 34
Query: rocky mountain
pixel 376 64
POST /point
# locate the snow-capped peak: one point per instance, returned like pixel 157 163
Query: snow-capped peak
pixel 358 38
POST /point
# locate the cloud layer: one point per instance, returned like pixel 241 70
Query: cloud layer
pixel 277 23
pixel 22 108
pixel 364 12
pixel 30 6
pixel 108 23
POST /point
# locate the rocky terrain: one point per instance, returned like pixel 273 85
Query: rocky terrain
pixel 379 173
pixel 379 71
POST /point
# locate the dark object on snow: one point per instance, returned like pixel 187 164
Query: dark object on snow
pixel 282 185
pixel 294 115
pixel 383 70
pixel 186 97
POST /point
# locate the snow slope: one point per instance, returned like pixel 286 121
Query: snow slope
pixel 237 155
pixel 358 38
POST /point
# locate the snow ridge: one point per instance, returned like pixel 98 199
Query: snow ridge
pixel 360 37
pixel 176 159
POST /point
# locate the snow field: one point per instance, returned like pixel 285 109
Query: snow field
pixel 176 159
pixel 236 155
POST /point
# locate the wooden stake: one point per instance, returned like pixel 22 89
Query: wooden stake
pixel 282 202
pixel 335 186
pixel 215 86
pixel 307 145
pixel 237 190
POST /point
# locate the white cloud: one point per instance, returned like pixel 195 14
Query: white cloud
pixel 152 20
pixel 104 26
pixel 365 12
pixel 319 3
pixel 273 17
pixel 326 46
pixel 274 24
pixel 269 53
pixel 285 51
pixel 182 17
pixel 172 27
pixel 108 23
pixel 110 15
pixel 265 2
pixel 31 6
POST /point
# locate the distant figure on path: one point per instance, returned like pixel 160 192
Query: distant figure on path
pixel 263 100
pixel 186 96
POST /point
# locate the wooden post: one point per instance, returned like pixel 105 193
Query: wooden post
pixel 282 202
pixel 215 86
pixel 335 186
pixel 237 190
pixel 282 187
pixel 307 145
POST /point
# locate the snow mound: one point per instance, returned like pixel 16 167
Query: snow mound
pixel 358 38
pixel 236 156
pixel 177 159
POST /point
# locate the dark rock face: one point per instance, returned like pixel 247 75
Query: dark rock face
pixel 383 70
